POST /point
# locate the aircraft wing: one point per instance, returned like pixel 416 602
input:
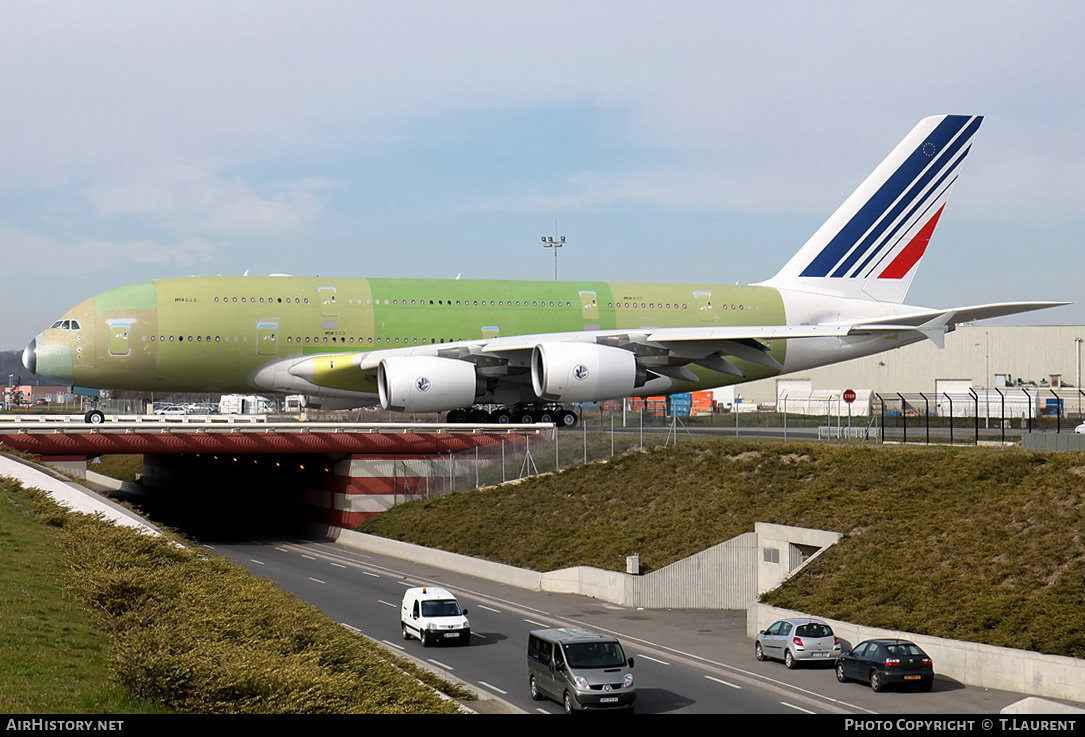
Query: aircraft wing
pixel 478 367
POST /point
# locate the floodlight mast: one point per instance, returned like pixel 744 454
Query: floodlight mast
pixel 550 242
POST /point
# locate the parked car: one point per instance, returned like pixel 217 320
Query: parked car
pixel 797 640
pixel 1080 429
pixel 886 662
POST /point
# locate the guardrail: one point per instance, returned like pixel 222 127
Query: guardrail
pixel 249 424
pixel 151 419
pixel 832 432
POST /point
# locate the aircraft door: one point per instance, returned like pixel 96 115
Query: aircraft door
pixel 589 305
pixel 118 337
pixel 267 338
pixel 705 311
pixel 328 308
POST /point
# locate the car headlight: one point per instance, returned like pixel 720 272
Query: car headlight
pixel 627 682
pixel 581 682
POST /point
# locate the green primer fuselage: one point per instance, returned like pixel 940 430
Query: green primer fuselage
pixel 213 333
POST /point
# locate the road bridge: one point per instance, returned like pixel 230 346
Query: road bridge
pixel 345 472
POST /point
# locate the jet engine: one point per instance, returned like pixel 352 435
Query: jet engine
pixel 584 372
pixel 427 383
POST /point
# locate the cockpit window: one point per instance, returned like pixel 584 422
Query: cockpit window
pixel 66 324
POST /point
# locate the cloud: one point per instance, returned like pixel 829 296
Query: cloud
pixel 49 256
pixel 199 200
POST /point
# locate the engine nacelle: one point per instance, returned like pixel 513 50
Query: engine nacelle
pixel 584 372
pixel 426 383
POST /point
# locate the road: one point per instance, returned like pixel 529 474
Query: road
pixel 687 662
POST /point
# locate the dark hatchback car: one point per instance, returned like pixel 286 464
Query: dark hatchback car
pixel 886 662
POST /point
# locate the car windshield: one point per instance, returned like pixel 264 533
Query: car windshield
pixel 814 630
pixel 440 608
pixel 594 655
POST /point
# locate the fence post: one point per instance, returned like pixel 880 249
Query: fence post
pixel 975 411
pixel 1058 411
pixel 944 394
pixel 1002 412
pixel 904 416
pixel 882 403
pixel 927 415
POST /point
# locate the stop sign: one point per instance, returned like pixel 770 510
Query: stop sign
pixel 849 395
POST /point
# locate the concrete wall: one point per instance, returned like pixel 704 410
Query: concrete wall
pixel 721 577
pixel 1066 440
pixel 724 576
pixel 781 554
pixel 986 666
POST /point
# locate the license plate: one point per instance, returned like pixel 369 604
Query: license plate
pixel 819 655
pixel 913 678
pixel 608 700
pixel 452 634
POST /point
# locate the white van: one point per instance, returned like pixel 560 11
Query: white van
pixel 433 615
pixel 581 670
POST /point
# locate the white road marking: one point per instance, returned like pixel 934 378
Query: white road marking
pixel 799 708
pixel 317 580
pixel 720 680
pixel 493 688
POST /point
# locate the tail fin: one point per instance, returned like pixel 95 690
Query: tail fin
pixel 871 246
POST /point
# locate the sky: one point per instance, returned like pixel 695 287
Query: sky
pixel 668 141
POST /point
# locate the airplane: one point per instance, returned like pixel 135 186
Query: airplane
pixel 526 348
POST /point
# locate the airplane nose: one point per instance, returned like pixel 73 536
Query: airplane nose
pixel 30 356
pixel 53 361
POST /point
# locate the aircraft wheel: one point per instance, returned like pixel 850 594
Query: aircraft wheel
pixel 501 417
pixel 547 417
pixel 566 418
pixel 456 416
pixel 94 417
pixel 525 418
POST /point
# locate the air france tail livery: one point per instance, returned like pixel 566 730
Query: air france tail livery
pixel 426 345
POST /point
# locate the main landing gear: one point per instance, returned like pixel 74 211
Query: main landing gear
pixel 516 415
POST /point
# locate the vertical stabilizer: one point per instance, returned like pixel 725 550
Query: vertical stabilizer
pixel 872 245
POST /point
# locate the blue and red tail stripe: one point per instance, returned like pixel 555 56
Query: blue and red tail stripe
pixel 916 185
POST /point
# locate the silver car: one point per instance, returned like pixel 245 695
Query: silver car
pixel 795 640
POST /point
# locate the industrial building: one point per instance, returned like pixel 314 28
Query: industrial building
pixel 1037 361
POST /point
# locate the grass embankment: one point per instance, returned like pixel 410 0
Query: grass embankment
pixel 54 658
pixel 974 544
pixel 152 623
